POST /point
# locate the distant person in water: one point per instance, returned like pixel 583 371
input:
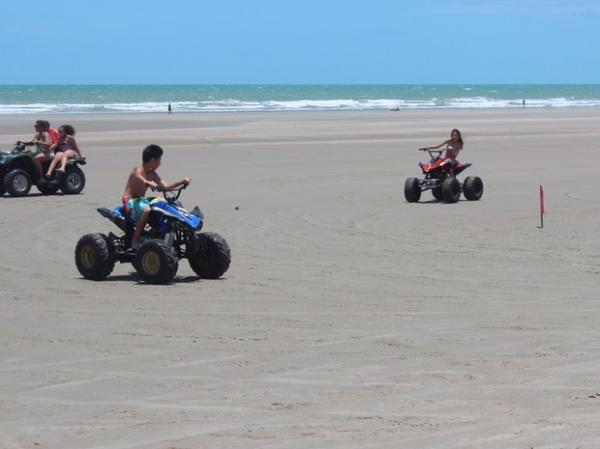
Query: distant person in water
pixel 453 146
pixel 523 102
pixel 169 108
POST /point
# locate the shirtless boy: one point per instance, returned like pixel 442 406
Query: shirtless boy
pixel 141 177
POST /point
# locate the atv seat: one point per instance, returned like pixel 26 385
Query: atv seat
pixel 119 212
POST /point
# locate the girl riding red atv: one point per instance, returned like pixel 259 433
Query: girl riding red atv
pixel 453 146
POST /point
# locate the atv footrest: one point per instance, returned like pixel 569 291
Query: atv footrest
pixel 125 257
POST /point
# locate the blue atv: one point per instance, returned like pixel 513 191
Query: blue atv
pixel 172 233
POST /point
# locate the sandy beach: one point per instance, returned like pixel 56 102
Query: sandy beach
pixel 348 318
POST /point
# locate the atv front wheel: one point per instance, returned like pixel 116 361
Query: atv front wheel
pixel 473 188
pixel 2 191
pixel 412 190
pixel 212 257
pixel 73 181
pixel 451 190
pixel 94 257
pixel 156 262
pixel 17 182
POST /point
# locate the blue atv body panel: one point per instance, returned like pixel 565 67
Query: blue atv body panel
pixel 169 210
pixel 166 213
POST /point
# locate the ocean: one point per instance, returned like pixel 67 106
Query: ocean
pixel 50 99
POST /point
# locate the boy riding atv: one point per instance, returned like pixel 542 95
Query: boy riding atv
pixel 157 232
pixel 141 177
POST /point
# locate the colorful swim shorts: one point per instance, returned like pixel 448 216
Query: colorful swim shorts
pixel 136 206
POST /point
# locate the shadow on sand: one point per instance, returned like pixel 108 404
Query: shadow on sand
pixel 434 201
pixel 133 277
pixel 29 195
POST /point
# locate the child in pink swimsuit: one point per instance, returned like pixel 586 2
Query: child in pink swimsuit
pixel 65 149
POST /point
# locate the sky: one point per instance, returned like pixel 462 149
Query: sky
pixel 300 42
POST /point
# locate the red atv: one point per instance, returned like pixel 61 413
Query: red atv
pixel 440 177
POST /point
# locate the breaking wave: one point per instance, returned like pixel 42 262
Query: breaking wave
pixel 233 105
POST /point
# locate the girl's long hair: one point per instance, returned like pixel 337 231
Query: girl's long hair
pixel 460 139
pixel 68 129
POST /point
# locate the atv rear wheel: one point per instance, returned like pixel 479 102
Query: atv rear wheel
pixel 94 257
pixel 17 182
pixel 473 188
pixel 451 190
pixel 156 262
pixel 73 180
pixel 412 190
pixel 212 257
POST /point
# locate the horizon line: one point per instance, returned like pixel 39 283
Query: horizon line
pixel 302 84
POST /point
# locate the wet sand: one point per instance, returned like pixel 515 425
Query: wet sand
pixel 348 319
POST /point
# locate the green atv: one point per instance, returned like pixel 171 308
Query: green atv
pixel 17 174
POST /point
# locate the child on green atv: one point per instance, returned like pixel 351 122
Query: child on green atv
pixel 64 149
pixel 42 141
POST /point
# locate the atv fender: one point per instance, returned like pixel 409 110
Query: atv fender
pixel 117 218
pixel 77 161
pixel 460 168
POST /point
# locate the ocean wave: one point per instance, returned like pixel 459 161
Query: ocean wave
pixel 233 105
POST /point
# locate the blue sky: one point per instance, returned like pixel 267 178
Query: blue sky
pixel 300 41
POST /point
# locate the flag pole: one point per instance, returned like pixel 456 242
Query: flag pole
pixel 542 210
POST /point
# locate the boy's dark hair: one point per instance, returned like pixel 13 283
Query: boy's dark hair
pixel 40 123
pixel 151 152
pixel 68 129
pixel 45 124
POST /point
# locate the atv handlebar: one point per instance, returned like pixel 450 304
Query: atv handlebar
pixel 174 196
pixel 432 151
